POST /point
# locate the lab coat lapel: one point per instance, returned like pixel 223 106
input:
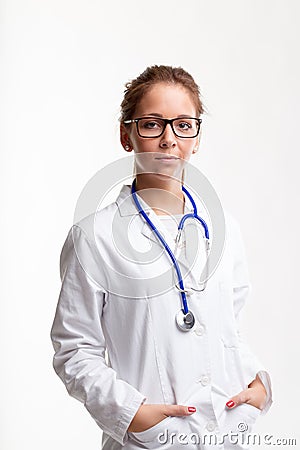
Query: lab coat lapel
pixel 150 234
pixel 127 207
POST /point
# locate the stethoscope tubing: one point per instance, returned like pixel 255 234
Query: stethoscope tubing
pixel 180 227
pixel 193 215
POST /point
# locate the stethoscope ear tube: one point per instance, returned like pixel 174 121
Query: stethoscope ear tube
pixel 192 289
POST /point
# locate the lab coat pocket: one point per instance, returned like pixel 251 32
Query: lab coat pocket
pixel 242 418
pixel 152 436
pixel 227 324
pixel 253 411
pixel 239 423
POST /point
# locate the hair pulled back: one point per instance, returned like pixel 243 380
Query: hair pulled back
pixel 136 88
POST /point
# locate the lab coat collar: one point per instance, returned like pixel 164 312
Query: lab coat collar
pixel 126 203
pixel 127 207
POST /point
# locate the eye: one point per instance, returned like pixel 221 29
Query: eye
pixel 184 125
pixel 150 124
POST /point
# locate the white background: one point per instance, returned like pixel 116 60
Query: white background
pixel 63 68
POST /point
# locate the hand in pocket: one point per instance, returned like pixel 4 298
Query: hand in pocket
pixel 149 415
pixel 254 395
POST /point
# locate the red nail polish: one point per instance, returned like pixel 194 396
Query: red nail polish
pixel 230 404
pixel 191 409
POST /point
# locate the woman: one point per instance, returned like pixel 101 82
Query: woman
pixel 165 382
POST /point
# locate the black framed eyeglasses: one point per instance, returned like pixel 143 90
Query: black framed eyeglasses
pixel 154 127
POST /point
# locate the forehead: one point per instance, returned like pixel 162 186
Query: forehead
pixel 169 100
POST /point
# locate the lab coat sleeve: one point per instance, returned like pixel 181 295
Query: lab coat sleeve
pixel 79 345
pixel 241 289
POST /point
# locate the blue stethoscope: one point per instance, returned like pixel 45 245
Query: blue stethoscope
pixel 184 318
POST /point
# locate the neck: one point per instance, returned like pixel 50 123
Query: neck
pixel 163 194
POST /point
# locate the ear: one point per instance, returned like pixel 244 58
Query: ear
pixel 125 139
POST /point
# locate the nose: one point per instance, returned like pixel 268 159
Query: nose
pixel 168 138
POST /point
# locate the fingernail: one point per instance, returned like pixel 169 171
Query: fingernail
pixel 230 404
pixel 191 409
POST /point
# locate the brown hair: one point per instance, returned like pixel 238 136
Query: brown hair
pixel 136 88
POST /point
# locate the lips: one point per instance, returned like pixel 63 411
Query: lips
pixel 167 157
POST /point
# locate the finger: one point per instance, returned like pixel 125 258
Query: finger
pixel 236 400
pixel 179 410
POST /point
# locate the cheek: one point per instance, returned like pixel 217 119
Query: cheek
pixel 188 149
pixel 142 146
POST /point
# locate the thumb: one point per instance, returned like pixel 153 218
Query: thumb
pixel 179 410
pixel 238 399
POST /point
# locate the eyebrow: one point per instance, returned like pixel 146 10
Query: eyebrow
pixel 160 115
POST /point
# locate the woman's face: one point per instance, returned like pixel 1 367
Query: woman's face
pixel 166 101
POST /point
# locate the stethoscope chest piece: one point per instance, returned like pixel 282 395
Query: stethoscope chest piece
pixel 185 321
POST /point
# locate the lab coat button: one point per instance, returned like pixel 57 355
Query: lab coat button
pixel 199 330
pixel 205 380
pixel 211 425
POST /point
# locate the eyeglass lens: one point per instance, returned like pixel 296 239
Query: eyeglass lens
pixel 153 127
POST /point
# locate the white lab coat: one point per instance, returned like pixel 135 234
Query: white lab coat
pixel 117 345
